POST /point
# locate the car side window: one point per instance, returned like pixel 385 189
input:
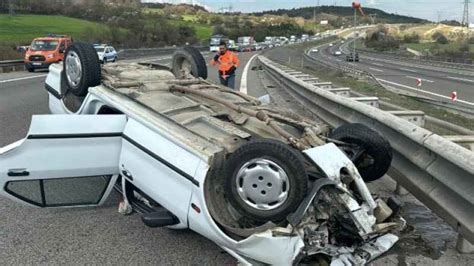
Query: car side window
pixel 62 47
pixel 61 191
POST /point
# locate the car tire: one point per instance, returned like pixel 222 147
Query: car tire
pixel 115 59
pixel 375 147
pixel 29 69
pixel 266 168
pixel 189 60
pixel 81 68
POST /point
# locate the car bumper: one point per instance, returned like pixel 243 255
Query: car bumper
pixel 38 65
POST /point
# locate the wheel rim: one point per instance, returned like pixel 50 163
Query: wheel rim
pixel 73 69
pixel 262 184
pixel 186 68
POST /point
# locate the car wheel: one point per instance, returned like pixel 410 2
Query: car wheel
pixel 189 61
pixel 81 68
pixel 265 180
pixel 115 59
pixel 29 69
pixel 369 151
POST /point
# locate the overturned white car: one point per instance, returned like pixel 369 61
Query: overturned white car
pixel 265 185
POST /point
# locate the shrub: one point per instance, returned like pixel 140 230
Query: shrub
pixel 411 38
pixel 440 38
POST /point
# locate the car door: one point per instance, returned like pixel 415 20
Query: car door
pixel 160 167
pixel 65 160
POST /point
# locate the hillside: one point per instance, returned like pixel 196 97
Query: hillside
pixel 327 12
pixel 21 29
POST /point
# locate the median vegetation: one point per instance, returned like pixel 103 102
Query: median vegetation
pixel 429 40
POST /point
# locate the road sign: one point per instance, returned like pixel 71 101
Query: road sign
pixel 454 96
pixel 418 82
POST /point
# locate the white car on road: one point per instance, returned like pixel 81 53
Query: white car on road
pixel 264 185
pixel 106 53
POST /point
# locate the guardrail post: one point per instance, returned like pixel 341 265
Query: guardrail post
pixel 464 246
pixel 401 191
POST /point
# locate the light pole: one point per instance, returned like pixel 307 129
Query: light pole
pixel 356 6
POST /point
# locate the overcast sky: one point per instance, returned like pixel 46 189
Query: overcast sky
pixel 427 9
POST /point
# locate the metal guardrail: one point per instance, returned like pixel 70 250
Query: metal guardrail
pixel 421 62
pixel 11 65
pixel 437 171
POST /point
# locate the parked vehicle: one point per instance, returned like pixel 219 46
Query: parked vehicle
pixel 215 42
pixel 232 46
pixel 106 53
pixel 45 51
pixel 337 53
pixel 265 185
pixel 246 40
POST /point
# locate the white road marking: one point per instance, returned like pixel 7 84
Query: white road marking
pixel 422 91
pixel 427 80
pixel 377 64
pixel 409 70
pixel 376 69
pixel 24 78
pixel 468 80
pixel 243 80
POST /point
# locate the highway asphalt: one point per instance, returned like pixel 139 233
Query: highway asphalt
pixel 89 235
pixel 404 75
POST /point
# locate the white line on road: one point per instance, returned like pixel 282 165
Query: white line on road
pixel 377 64
pixel 409 70
pixel 24 78
pixel 427 80
pixel 376 69
pixel 243 80
pixel 468 80
pixel 422 91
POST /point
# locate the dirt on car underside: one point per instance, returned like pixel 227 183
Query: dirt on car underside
pixel 218 114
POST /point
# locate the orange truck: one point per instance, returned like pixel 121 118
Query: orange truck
pixel 45 51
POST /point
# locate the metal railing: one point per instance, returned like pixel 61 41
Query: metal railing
pixel 437 171
pixel 11 65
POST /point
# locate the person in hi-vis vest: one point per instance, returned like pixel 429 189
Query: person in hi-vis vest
pixel 227 62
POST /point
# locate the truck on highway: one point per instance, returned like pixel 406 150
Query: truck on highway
pixel 267 186
pixel 45 51
pixel 246 40
pixel 215 41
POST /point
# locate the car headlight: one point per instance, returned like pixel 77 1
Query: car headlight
pixel 49 56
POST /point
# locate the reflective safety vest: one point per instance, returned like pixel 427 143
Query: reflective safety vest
pixel 227 62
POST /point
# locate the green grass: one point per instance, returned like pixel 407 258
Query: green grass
pixel 203 31
pixel 21 29
pixel 190 18
pixel 433 47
